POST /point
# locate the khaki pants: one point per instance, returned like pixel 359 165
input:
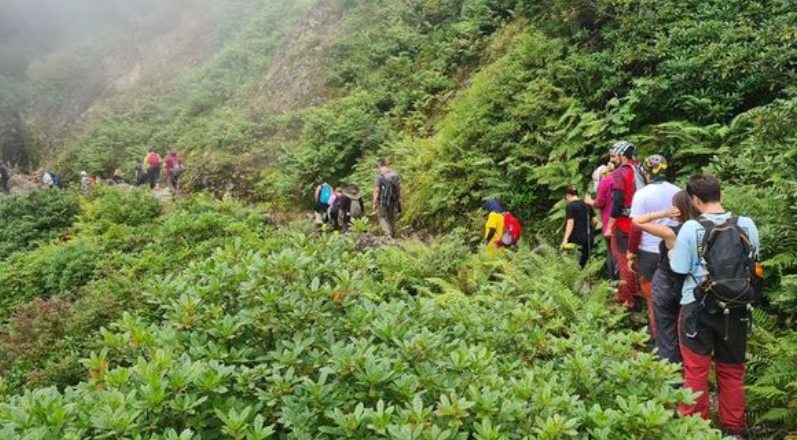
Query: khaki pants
pixel 387 220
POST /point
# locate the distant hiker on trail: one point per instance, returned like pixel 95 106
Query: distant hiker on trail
pixel 5 179
pixel 334 208
pixel 351 207
pixel 152 165
pixel 141 175
pixel 626 180
pixel 718 254
pixel 118 177
pixel 579 226
pixel 321 199
pixel 643 248
pixel 174 168
pixel 667 285
pixel 85 182
pixel 603 202
pixel 494 228
pixel 50 180
pixel 387 197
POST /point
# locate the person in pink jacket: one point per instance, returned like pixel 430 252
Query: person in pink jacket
pixel 603 202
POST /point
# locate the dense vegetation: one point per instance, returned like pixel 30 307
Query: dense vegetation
pixel 469 99
pixel 277 334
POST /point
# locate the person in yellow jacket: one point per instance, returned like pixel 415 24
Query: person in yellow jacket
pixel 494 228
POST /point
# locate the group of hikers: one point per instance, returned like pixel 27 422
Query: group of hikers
pixel 686 261
pixel 339 207
pixel 681 258
pixel 148 170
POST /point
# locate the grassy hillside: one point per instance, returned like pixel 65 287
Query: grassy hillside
pixel 469 99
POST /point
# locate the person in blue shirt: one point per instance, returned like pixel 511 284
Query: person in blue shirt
pixel 705 332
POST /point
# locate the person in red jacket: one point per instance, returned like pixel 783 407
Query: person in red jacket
pixel 624 185
pixel 174 168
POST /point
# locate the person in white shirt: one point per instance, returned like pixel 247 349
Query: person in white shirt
pixel 643 248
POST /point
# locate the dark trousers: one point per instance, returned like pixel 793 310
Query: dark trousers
pixel 666 293
pixel 611 262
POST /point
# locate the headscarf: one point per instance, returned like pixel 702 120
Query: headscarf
pixel 492 205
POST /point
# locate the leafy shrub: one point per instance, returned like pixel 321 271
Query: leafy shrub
pixel 111 206
pixel 34 219
pixel 48 271
pixel 276 340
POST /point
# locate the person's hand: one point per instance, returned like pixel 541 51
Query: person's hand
pixel 674 212
pixel 607 231
pixel 588 200
pixel 633 265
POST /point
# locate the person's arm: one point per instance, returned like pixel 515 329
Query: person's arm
pixel 604 192
pixel 684 253
pixel 568 231
pixel 646 223
pixel 317 193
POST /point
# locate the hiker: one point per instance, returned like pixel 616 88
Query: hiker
pixel 667 285
pixel 626 180
pixel 351 207
pixel 603 203
pixel 717 254
pixel 579 225
pixel 117 178
pixel 152 164
pixel 643 249
pixel 50 180
pixel 174 168
pixel 85 182
pixel 5 179
pixel 334 208
pixel 140 173
pixel 494 228
pixel 387 197
pixel 321 198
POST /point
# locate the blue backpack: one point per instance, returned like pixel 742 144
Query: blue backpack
pixel 326 194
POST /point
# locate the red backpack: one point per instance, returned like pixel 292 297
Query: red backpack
pixel 512 230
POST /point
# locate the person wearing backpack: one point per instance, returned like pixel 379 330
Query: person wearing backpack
pixel 643 249
pixel 351 207
pixel 626 180
pixel 174 168
pixel 494 227
pixel 321 201
pixel 387 197
pixel 718 255
pixel 512 231
pixel 579 225
pixel 153 164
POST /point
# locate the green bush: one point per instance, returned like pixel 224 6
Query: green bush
pixel 27 221
pixel 289 340
pixel 110 206
pixel 47 271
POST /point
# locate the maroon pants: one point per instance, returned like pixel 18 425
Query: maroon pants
pixel 629 284
pixel 704 339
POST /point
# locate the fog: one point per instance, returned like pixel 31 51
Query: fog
pixel 31 28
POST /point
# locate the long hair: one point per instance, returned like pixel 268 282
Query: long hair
pixel 683 202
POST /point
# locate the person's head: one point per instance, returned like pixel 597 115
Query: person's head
pixel 381 163
pixel 682 202
pixel 493 205
pixel 704 190
pixel 571 194
pixel 83 174
pixel 621 152
pixel 607 170
pixel 173 153
pixel 338 190
pixel 654 168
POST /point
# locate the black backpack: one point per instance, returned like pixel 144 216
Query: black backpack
pixel 390 189
pixel 729 259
